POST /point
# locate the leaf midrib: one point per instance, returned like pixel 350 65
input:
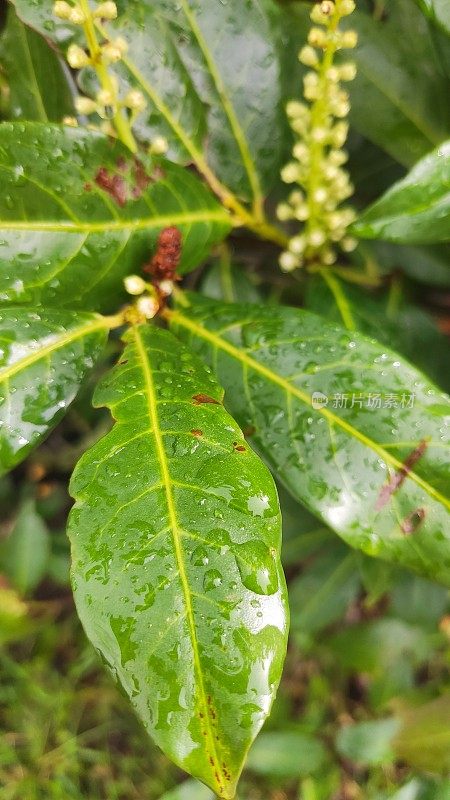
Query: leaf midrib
pixel 96 324
pixel 244 358
pixel 161 221
pixel 152 405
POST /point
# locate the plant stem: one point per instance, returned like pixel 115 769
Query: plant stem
pixel 340 298
pixel 119 119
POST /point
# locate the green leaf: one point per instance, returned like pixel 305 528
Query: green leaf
pixel 368 742
pixel 78 212
pixel 303 535
pixel 38 85
pixel 438 11
pixel 359 467
pixel 416 210
pixel 229 282
pixel 419 601
pixel 322 594
pixel 209 73
pixel 427 265
pixel 25 553
pixel 175 544
pixel 189 790
pixel 286 754
pixel 43 360
pixel 375 647
pixel 424 738
pixel 402 325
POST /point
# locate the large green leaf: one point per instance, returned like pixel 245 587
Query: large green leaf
pixel 405 327
pixel 376 469
pixel 176 569
pixel 209 72
pixel 438 11
pixel 38 87
pixel 416 210
pixel 78 212
pixel 44 357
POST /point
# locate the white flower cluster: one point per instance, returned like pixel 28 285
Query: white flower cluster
pixel 318 157
pixel 107 101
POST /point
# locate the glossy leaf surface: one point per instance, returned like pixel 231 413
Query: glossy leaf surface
pixel 416 210
pixel 78 212
pixel 405 327
pixel 359 467
pixel 38 86
pixel 43 359
pixel 176 570
pixel 209 72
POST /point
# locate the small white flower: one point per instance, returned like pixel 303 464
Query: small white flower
pixel 288 262
pixel 106 10
pixel 77 16
pixel 166 287
pixel 135 100
pixel 159 146
pixel 84 105
pixel 134 284
pixel 62 9
pixel 147 306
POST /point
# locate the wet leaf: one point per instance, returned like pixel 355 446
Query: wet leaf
pixel 78 212
pixel 403 326
pixel 229 282
pixel 38 85
pixel 370 457
pixel 176 569
pixel 209 73
pixel 44 357
pixel 25 553
pixel 415 210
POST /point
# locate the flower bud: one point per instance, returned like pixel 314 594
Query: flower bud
pixel 72 122
pixel 295 110
pixel 288 262
pixel 166 287
pixel 289 173
pixel 134 284
pixel 316 237
pixel 77 16
pixel 347 72
pixel 62 9
pixel 114 51
pixel 317 37
pixel 135 100
pixel 349 39
pixel 308 56
pixel 77 58
pixel 84 105
pixel 297 245
pixel 159 146
pixel 147 306
pixel 346 7
pixel 105 97
pixel 284 212
pixel 322 12
pixel 106 10
pixel 348 244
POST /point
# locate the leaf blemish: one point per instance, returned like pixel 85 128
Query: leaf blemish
pixel 114 185
pixel 204 398
pixel 396 481
pixel 412 522
pixel 196 432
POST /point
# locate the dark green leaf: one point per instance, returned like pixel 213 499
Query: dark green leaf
pixel 424 738
pixel 416 210
pixel 78 212
pixel 225 281
pixel 438 11
pixel 368 742
pixel 427 265
pixel 322 594
pixel 303 535
pixel 375 647
pixel 359 467
pixel 175 543
pixel 38 85
pixel 24 555
pixel 419 601
pixel 43 360
pixel 408 329
pixel 209 73
pixel 286 754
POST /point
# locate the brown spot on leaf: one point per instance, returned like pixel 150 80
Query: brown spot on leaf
pixel 114 185
pixel 87 187
pixel 124 361
pixel 412 522
pixel 196 432
pixel 396 481
pixel 141 179
pixel 204 398
pixel 240 448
